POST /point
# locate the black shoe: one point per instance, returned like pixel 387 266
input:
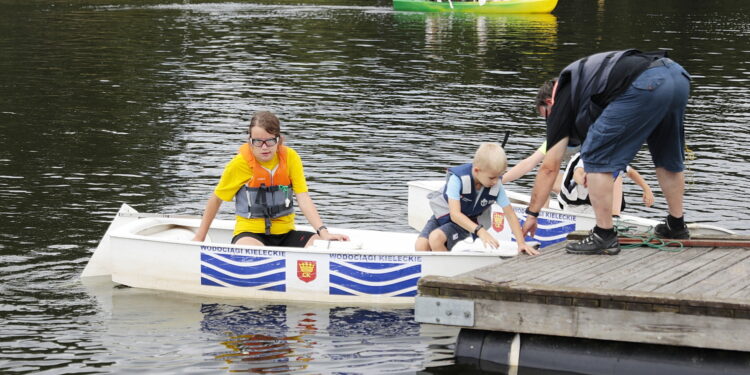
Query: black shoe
pixel 593 244
pixel 663 230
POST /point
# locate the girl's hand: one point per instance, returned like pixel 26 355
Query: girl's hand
pixel 333 237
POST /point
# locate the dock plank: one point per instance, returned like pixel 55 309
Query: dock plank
pixel 658 262
pixel 581 265
pixel 679 271
pixel 694 280
pixel 724 283
pixel 623 260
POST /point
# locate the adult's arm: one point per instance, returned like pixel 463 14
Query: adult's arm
pixel 545 179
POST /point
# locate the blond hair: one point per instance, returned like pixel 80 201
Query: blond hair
pixel 490 157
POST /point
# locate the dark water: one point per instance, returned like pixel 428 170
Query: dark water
pixel 104 102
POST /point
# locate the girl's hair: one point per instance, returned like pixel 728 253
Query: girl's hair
pixel 490 157
pixel 545 92
pixel 267 121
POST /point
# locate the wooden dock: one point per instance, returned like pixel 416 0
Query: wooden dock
pixel 695 297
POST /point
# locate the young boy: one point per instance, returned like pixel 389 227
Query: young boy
pixel 470 189
pixel 574 192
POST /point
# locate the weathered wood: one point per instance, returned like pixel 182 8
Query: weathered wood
pixel 693 241
pixel 584 268
pixel 611 324
pixel 612 263
pixel 463 285
pixel 659 262
pixel 696 276
pixel 695 297
pixel 678 271
pixel 724 283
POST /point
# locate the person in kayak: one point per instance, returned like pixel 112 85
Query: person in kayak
pixel 610 103
pixel 470 190
pixel 264 178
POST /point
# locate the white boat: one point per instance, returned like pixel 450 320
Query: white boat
pixel 157 252
pixel 554 223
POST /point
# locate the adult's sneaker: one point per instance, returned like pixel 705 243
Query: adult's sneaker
pixel 663 230
pixel 593 244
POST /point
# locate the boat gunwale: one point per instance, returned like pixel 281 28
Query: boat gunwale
pixel 126 232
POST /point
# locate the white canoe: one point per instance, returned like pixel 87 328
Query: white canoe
pixel 554 223
pixel 157 252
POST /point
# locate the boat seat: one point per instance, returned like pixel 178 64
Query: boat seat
pixel 171 232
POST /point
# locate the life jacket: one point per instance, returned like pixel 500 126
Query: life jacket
pixel 473 202
pixel 588 77
pixel 570 192
pixel 573 194
pixel 268 194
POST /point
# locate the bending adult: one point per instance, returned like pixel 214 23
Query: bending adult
pixel 264 178
pixel 610 103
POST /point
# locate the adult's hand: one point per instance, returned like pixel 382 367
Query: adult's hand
pixel 529 226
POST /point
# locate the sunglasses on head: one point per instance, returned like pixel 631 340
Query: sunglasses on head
pixel 269 142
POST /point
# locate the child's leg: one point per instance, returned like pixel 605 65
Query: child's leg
pixel 446 236
pixel 437 240
pixel 423 244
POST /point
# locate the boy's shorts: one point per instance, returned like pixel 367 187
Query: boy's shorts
pixel 652 110
pixel 294 238
pixel 453 232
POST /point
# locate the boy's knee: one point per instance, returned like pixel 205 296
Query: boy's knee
pixel 437 239
pixel 422 244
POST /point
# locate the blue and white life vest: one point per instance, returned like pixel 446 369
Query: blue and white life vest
pixel 473 202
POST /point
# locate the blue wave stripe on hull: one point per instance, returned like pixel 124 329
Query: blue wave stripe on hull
pixel 372 289
pixel 276 288
pixel 244 270
pixel 553 235
pixel 375 266
pixel 235 281
pixel 375 277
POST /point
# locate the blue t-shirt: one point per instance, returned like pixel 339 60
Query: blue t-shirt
pixel 453 191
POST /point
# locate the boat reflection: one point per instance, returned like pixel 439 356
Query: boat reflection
pixel 257 337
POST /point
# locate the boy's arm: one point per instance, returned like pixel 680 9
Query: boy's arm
pixel 515 227
pixel 458 217
pixel 648 195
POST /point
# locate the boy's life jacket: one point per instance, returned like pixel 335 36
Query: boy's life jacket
pixel 473 202
pixel 268 194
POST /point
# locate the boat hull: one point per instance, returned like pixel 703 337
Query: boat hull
pixel 375 267
pixel 554 224
pixel 498 7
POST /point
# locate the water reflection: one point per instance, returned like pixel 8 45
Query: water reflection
pixel 257 337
